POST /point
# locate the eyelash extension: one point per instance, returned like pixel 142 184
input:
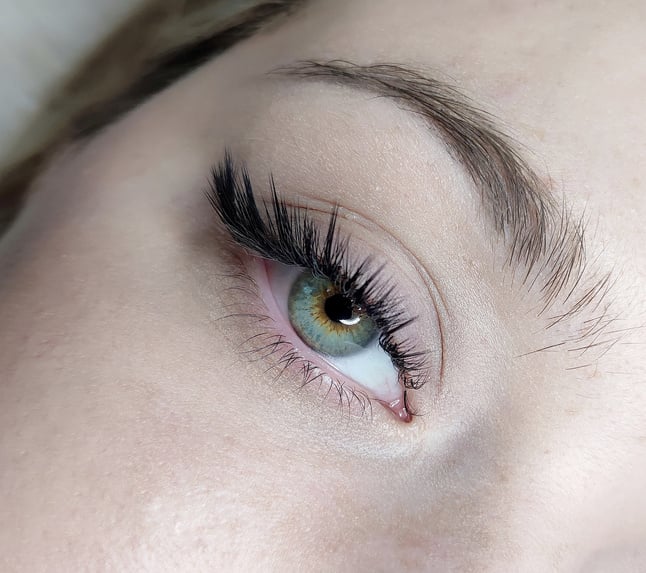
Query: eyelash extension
pixel 287 234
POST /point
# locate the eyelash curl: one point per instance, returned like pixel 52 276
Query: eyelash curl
pixel 288 234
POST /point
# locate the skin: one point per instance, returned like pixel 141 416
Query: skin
pixel 133 434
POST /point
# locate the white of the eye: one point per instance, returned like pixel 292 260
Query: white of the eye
pixel 371 368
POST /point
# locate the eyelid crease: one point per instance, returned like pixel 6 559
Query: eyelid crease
pixel 433 291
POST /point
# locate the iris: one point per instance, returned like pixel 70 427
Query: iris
pixel 326 320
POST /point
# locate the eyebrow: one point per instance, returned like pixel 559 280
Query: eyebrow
pixel 545 241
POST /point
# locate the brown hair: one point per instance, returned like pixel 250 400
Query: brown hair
pixel 153 49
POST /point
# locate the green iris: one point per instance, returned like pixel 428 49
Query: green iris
pixel 326 320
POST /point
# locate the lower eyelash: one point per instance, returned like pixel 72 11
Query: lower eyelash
pixel 288 358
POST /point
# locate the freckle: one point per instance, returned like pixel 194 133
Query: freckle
pixel 636 182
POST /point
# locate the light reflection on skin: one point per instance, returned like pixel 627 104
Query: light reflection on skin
pixel 133 434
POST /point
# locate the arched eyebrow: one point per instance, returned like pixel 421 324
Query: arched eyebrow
pixel 545 242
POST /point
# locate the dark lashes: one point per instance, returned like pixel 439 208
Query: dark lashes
pixel 288 234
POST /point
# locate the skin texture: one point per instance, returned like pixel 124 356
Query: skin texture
pixel 135 436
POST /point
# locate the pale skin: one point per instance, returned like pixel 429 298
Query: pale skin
pixel 134 436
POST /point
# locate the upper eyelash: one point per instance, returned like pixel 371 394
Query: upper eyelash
pixel 287 234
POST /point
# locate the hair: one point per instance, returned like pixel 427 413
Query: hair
pixel 157 46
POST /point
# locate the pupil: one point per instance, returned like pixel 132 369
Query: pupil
pixel 338 308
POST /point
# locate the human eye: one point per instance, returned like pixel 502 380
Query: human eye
pixel 332 308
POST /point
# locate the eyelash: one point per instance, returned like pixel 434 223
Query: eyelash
pixel 288 234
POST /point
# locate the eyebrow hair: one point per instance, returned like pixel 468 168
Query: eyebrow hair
pixel 542 235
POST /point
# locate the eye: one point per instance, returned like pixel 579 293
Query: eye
pixel 335 332
pixel 336 314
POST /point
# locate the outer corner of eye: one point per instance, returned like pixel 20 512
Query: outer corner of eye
pixel 334 335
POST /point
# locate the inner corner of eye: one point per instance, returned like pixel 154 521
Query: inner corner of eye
pixel 333 333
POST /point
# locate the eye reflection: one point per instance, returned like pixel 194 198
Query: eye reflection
pixel 326 320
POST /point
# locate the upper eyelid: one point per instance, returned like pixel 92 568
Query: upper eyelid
pixel 433 291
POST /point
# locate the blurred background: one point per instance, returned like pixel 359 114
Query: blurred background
pixel 41 42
